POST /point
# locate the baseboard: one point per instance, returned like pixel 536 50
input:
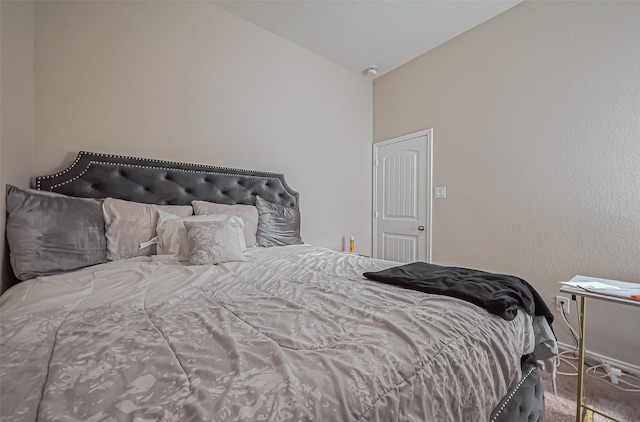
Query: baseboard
pixel 597 357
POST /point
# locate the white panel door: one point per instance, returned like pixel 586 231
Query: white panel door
pixel 402 208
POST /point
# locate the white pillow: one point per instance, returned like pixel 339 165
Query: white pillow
pixel 172 235
pixel 128 224
pixel 214 242
pixel 248 213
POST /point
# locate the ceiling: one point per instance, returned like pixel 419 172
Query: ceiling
pixel 360 34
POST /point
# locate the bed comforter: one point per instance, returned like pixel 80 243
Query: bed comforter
pixel 295 334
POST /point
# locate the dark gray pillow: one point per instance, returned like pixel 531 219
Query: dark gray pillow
pixel 50 233
pixel 278 225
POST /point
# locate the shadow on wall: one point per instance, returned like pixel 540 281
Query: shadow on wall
pixel 6 273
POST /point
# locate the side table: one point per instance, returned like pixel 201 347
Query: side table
pixel 621 294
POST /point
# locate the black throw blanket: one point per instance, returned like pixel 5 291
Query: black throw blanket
pixel 499 294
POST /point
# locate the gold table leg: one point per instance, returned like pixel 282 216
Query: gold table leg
pixel 588 414
pixel 589 411
pixel 580 394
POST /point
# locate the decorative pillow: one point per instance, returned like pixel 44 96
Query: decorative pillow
pixel 248 213
pixel 278 225
pixel 51 233
pixel 172 234
pixel 214 242
pixel 130 223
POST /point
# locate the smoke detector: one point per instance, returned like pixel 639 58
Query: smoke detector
pixel 372 71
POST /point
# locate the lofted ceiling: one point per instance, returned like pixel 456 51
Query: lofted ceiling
pixel 360 34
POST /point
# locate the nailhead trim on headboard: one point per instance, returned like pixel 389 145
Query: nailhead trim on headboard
pixel 85 161
pixel 513 393
pixel 145 167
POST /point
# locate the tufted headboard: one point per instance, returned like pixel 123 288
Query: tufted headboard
pixel 94 175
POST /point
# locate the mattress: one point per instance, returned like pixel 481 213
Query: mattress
pixel 294 334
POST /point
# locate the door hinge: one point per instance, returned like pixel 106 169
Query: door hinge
pixel 375 213
pixel 377 162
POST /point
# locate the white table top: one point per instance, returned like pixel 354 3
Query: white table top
pixel 621 295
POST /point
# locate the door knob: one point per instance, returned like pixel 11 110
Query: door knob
pixel 421 228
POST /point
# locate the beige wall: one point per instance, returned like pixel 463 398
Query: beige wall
pixel 16 104
pixel 188 81
pixel 536 118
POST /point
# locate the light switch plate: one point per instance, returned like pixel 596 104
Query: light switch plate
pixel 440 192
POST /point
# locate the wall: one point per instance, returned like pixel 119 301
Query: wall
pixel 187 81
pixel 16 105
pixel 536 117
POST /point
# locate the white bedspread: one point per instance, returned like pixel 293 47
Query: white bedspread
pixel 295 334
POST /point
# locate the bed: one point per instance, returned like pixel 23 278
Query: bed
pixel 291 333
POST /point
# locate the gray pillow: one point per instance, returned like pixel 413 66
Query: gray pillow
pixel 278 225
pixel 50 233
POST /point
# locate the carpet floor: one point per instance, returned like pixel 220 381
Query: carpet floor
pixel 622 405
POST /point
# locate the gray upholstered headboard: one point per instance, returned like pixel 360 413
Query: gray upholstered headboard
pixel 94 175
